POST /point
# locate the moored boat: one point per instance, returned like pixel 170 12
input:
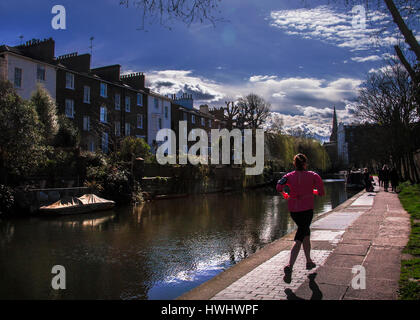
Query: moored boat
pixel 76 205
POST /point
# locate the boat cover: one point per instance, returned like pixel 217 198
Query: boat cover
pixel 92 198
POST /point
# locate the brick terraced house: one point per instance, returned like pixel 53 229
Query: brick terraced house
pixel 104 105
pixel 183 110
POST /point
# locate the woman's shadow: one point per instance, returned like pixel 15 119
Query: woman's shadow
pixel 316 292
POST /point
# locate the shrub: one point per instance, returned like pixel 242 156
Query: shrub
pixel 117 185
pixel 112 182
pixel 132 146
pixel 68 135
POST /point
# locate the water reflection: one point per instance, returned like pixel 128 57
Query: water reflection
pixel 155 251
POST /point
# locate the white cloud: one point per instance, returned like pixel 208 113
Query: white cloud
pixel 327 24
pixel 316 122
pixel 261 78
pixel 365 59
pixel 288 92
pixel 304 102
pixel 179 81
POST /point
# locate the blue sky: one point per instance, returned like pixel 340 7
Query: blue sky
pixel 303 59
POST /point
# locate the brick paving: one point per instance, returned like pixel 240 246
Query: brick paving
pixel 266 281
pixel 370 232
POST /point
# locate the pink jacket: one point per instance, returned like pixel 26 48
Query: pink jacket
pixel 301 185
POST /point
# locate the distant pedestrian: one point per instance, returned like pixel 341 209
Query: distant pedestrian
pixel 303 185
pixel 367 180
pixel 380 178
pixel 393 177
pixel 385 177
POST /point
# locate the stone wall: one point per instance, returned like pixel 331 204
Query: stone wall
pixel 164 180
pixel 32 199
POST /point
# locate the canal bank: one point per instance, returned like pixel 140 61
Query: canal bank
pixel 369 230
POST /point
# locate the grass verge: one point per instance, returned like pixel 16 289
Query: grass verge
pixel 410 265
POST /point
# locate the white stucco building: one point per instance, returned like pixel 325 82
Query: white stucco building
pixel 158 117
pixel 26 73
pixel 342 146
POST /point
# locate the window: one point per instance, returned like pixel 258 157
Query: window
pixel 117 128
pixel 69 81
pixel 86 123
pixel 117 101
pixel 139 99
pixel 105 142
pixel 185 116
pixel 69 108
pixel 203 122
pixel 91 146
pixel 18 78
pixel 104 90
pixel 140 121
pixel 166 112
pixel 86 94
pixel 160 123
pixel 210 123
pixel 156 101
pixel 127 129
pixel 103 115
pixel 127 104
pixel 192 118
pixel 40 73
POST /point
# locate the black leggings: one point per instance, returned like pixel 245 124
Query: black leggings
pixel 303 220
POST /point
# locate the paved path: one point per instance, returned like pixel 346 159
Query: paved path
pixel 369 231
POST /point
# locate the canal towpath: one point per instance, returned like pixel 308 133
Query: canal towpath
pixel 368 230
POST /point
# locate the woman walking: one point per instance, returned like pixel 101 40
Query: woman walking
pixel 393 177
pixel 367 181
pixel 303 185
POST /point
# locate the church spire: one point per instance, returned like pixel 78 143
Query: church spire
pixel 333 137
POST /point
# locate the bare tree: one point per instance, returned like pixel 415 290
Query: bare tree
pixel 276 125
pixel 405 15
pixel 387 99
pixel 167 11
pixel 231 113
pixel 253 111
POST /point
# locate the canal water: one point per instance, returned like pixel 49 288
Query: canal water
pixel 159 250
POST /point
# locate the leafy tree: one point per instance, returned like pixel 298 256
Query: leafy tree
pixel 134 147
pixel 282 148
pixel 21 149
pixel 68 135
pixel 47 113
